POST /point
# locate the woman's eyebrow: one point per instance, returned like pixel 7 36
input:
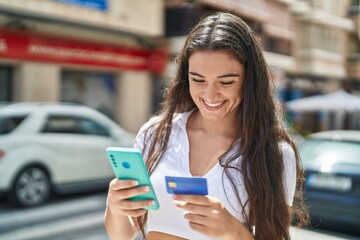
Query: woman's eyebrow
pixel 221 76
pixel 229 75
pixel 196 74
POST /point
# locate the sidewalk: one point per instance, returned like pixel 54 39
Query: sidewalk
pixel 304 234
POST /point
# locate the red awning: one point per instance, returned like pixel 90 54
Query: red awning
pixel 39 47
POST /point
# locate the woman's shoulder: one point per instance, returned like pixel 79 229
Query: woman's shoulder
pixel 153 120
pixel 179 119
pixel 285 146
pixel 288 152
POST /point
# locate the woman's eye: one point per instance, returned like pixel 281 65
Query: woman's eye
pixel 227 83
pixel 198 80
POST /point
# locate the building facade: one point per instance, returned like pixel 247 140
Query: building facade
pixel 311 46
pixel 353 62
pixel 117 55
pixel 102 53
pixel 270 19
pixel 322 29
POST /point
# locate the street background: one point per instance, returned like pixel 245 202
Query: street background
pixel 81 217
pixel 116 56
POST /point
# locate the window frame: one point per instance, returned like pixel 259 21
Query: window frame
pixel 79 130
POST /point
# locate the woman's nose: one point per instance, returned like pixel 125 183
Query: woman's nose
pixel 212 91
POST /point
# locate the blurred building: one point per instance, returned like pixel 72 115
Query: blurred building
pixel 102 53
pixel 312 46
pixel 353 62
pixel 322 31
pixel 321 50
pixel 306 42
pixel 116 55
pixel 270 19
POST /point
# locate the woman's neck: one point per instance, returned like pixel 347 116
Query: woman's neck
pixel 226 127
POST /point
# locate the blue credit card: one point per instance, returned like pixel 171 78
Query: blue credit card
pixel 186 185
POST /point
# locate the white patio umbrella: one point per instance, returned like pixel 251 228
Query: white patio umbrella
pixel 335 101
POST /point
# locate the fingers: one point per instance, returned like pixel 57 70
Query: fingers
pixel 117 184
pixel 205 214
pixel 195 218
pixel 197 214
pixel 134 213
pixel 131 205
pixel 131 192
pixel 199 228
pixel 198 200
pixel 120 191
pixel 195 199
pixel 124 189
pixel 194 208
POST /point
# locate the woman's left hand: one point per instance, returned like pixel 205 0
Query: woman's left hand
pixel 208 216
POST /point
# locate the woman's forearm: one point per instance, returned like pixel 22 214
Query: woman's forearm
pixel 239 231
pixel 119 227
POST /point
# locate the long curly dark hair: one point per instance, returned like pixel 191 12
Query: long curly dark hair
pixel 260 128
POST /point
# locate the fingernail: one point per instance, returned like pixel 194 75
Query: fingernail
pixel 174 196
pixel 146 189
pixel 134 183
pixel 152 202
pixel 179 203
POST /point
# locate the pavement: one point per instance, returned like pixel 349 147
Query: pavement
pixel 306 234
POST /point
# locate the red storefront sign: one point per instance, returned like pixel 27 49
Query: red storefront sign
pixel 37 47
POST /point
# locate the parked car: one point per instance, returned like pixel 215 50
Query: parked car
pixel 332 187
pixel 4 104
pixel 55 148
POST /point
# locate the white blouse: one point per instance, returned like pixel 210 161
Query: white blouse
pixel 175 162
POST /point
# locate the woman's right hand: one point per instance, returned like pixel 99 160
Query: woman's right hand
pixel 118 194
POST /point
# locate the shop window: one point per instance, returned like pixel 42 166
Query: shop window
pixel 96 90
pixel 181 19
pixel 278 45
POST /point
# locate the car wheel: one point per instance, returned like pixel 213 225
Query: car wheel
pixel 31 187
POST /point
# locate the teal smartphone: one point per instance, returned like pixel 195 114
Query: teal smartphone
pixel 128 163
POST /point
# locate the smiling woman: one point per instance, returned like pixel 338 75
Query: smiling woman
pixel 219 122
pixel 216 79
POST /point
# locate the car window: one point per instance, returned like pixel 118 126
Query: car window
pixel 89 126
pixel 10 123
pixel 319 150
pixel 74 125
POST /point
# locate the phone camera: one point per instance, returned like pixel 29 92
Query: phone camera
pixel 126 165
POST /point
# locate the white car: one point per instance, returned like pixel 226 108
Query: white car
pixel 55 148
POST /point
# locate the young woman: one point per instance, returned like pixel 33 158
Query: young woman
pixel 219 121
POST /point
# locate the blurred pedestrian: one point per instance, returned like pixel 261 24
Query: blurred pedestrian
pixel 219 121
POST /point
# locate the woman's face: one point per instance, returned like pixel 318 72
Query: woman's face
pixel 216 80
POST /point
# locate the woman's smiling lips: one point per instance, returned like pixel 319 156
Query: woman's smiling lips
pixel 213 106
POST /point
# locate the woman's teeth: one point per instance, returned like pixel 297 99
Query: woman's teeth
pixel 213 104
